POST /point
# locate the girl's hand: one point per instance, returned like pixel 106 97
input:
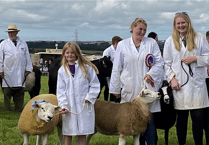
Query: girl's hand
pixel 148 78
pixel 64 111
pixel 87 101
pixel 174 84
pixel 189 59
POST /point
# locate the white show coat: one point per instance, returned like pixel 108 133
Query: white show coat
pixel 14 61
pixel 129 69
pixel 110 51
pixel 72 93
pixel 193 95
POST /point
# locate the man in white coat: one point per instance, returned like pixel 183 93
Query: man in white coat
pixel 15 65
pixel 110 52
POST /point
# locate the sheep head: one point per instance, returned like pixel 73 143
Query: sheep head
pixel 45 110
pixel 149 96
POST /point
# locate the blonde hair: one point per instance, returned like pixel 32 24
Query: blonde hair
pixel 136 22
pixel 82 62
pixel 190 34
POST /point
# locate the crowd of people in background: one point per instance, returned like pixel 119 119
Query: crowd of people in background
pixel 137 63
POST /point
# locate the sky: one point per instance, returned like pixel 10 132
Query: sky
pixel 96 20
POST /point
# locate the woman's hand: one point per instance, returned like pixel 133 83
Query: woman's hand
pixel 174 84
pixel 87 101
pixel 117 95
pixel 1 74
pixel 208 70
pixel 64 111
pixel 148 78
pixel 189 59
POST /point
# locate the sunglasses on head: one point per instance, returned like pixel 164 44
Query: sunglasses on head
pixel 185 13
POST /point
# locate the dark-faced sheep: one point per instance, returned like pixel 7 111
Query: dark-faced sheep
pixel 39 117
pixel 129 118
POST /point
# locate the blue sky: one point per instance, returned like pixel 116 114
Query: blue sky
pixel 96 20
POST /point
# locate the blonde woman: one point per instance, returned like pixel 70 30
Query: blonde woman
pixel 77 91
pixel 193 57
pixel 132 67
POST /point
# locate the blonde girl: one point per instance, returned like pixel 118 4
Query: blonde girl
pixel 77 91
pixel 187 49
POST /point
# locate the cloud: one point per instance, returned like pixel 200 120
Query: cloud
pixel 103 18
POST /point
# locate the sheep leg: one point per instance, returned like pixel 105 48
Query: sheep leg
pixel 59 131
pixel 136 139
pixel 26 139
pixel 38 140
pixel 122 140
pixel 45 139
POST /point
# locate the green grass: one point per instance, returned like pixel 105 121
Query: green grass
pixel 91 52
pixel 10 135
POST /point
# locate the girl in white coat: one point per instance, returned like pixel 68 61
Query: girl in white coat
pixel 193 57
pixel 130 68
pixel 77 91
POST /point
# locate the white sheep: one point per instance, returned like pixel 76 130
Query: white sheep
pixel 39 117
pixel 125 119
pixel 30 82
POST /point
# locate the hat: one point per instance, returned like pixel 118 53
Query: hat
pixel 12 28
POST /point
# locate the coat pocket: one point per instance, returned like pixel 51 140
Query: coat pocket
pixel 126 81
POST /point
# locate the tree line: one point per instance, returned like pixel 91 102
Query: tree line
pixel 41 46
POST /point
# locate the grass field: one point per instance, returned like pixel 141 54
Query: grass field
pixel 10 135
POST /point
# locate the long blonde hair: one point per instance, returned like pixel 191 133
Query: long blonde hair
pixel 82 62
pixel 190 34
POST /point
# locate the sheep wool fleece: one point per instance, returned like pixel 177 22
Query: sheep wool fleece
pixel 27 123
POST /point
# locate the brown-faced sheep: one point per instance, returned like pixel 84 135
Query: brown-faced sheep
pixel 39 117
pixel 125 119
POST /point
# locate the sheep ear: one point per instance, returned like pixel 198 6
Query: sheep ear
pixel 57 108
pixel 142 93
pixel 34 105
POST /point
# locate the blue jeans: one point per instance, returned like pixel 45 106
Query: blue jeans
pixel 150 132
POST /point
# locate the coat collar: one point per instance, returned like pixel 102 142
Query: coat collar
pixel 132 45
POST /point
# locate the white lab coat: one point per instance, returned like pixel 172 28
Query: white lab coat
pixel 129 69
pixel 14 61
pixel 72 93
pixel 110 51
pixel 193 95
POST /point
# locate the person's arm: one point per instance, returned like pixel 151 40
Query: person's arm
pixel 94 86
pixel 157 66
pixel 115 85
pixel 203 59
pixel 168 60
pixel 1 61
pixel 29 66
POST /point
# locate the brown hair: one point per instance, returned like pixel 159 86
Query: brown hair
pixel 207 34
pixel 82 62
pixel 190 34
pixel 136 22
pixel 116 39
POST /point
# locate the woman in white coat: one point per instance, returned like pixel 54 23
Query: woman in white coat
pixel 77 91
pixel 193 57
pixel 131 67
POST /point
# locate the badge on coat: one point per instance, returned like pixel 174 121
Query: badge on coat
pixel 149 61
